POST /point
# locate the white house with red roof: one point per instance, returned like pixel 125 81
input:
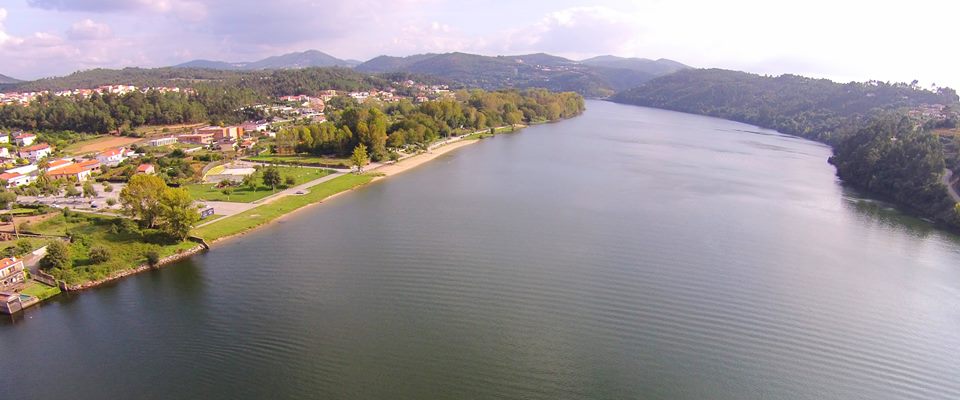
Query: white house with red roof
pixel 15 179
pixel 25 139
pixel 112 157
pixel 146 169
pixel 36 152
pixel 57 164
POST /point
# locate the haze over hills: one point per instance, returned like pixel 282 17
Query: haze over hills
pixel 596 77
pixel 305 59
pixel 603 76
pixel 7 80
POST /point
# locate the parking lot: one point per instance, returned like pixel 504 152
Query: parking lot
pixel 98 202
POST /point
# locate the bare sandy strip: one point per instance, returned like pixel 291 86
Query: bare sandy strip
pixel 417 160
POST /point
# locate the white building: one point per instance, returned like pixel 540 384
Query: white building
pixel 112 157
pixel 14 179
pixel 25 139
pixel 164 141
pixel 36 152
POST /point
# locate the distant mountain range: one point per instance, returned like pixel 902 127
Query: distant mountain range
pixel 599 76
pixel 7 80
pixel 595 77
pixel 305 59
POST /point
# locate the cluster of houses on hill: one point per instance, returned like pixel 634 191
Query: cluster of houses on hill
pixel 34 159
pixel 27 97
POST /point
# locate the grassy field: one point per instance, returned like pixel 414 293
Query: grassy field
pixel 260 215
pixel 99 144
pixel 302 160
pixel 486 133
pixel 209 191
pixel 128 249
pixel 40 291
pixel 151 130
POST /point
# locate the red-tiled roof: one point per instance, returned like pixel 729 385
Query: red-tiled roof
pixel 6 262
pixel 57 163
pixel 111 152
pixel 8 175
pixel 36 147
pixel 144 167
pixel 24 136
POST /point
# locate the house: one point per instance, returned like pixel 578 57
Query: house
pixel 221 132
pixel 4 138
pixel 10 302
pixel 112 157
pixel 36 152
pixel 90 165
pixel 4 152
pixel 72 172
pixel 196 138
pixel 57 164
pixel 24 169
pixel 25 139
pixel 15 179
pixel 11 273
pixel 146 169
pixel 164 141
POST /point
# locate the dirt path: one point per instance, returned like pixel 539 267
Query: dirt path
pixel 947 180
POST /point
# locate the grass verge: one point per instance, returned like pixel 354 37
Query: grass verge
pixel 40 291
pixel 268 212
pixel 209 191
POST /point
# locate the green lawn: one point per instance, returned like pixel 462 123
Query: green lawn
pixel 302 160
pixel 210 192
pixel 128 249
pixel 260 215
pixel 40 291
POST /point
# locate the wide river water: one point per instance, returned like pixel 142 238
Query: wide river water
pixel 627 253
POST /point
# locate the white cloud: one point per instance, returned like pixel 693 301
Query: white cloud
pixel 89 30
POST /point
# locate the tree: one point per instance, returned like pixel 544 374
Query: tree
pixel 153 257
pixel 6 198
pixel 141 198
pixel 289 181
pixel 227 191
pixel 99 254
pixel 178 213
pixel 58 255
pixel 271 177
pixel 249 182
pixel 22 247
pixel 72 191
pixel 359 157
pixel 89 190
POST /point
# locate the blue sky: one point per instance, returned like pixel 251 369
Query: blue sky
pixel 842 40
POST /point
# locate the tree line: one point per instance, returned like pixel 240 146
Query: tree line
pixel 382 127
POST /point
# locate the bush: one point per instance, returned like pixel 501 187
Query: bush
pixel 153 257
pixel 99 254
pixel 111 202
pixel 22 247
pixel 290 181
pixel 58 255
pixel 107 187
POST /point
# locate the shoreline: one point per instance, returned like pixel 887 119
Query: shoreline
pixel 383 171
pixel 387 170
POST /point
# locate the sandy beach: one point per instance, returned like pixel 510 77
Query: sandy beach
pixel 417 160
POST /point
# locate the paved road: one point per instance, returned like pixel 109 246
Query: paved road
pixel 227 209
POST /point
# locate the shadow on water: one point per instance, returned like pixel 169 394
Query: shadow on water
pixel 880 213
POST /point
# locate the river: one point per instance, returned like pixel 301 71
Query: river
pixel 628 253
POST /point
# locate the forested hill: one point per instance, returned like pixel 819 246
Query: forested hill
pixel 881 133
pixel 598 77
pixel 818 109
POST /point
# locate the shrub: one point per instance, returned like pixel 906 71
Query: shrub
pixel 58 255
pixel 22 247
pixel 99 254
pixel 290 181
pixel 111 202
pixel 153 257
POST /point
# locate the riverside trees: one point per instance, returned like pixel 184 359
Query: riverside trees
pixel 156 206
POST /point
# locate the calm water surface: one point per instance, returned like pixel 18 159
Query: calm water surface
pixel 628 253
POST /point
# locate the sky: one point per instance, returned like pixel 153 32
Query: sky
pixel 836 39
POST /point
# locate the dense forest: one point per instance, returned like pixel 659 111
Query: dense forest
pixel 876 146
pixel 404 124
pixel 112 112
pixel 265 82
